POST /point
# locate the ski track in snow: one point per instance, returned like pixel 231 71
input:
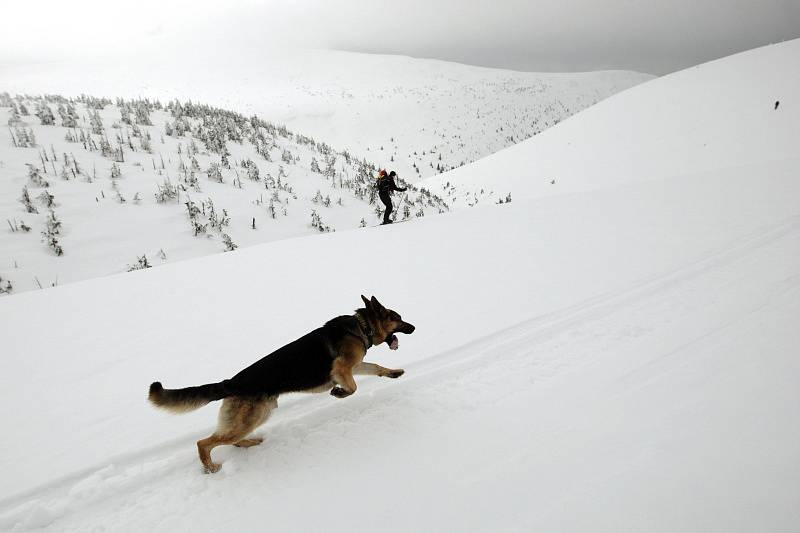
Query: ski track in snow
pixel 142 491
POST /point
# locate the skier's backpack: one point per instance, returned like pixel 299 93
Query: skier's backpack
pixel 382 183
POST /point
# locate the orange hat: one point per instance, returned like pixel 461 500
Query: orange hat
pixel 382 174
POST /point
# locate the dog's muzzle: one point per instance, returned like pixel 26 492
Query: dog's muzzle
pixel 406 328
pixel 392 340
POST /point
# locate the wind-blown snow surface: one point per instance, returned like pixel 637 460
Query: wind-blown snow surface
pixel 622 358
pixel 396 111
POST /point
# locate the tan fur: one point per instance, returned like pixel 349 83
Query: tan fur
pixel 238 417
pixel 158 398
pixel 246 443
pixel 371 369
pixel 180 408
pixel 322 388
pixel 351 353
pixel 382 326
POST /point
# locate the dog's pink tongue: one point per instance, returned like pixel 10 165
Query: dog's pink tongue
pixel 395 343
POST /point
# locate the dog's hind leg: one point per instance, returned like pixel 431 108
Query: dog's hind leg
pixel 272 403
pixel 238 416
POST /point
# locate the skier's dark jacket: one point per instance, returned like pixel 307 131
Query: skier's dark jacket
pixel 387 185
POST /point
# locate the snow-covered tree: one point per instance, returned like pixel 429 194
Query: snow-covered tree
pixel 35 179
pixel 51 232
pixel 26 201
pixel 142 113
pixel 140 264
pixel 165 192
pixel 96 123
pixel 229 244
pixel 252 170
pixel 47 199
pixel 215 172
pixel 5 286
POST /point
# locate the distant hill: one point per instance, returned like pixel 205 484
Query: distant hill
pixel 419 116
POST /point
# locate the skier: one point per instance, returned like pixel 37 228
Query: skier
pixel 386 186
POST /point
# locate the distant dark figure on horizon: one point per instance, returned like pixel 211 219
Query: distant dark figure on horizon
pixel 386 186
pixel 777 103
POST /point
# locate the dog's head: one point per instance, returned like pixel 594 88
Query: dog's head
pixel 385 323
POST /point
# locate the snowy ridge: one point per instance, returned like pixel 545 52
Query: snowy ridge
pixel 410 114
pixel 717 115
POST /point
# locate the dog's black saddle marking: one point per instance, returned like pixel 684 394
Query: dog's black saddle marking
pixel 302 364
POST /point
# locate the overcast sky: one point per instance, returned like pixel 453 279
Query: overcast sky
pixel 545 35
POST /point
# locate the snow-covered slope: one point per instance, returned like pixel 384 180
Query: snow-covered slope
pixel 407 113
pixel 713 116
pixel 622 358
pixel 231 179
pixel 417 116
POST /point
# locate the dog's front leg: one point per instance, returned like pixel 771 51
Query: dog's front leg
pixel 342 375
pixel 371 369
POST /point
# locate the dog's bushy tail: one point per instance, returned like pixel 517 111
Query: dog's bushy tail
pixel 185 400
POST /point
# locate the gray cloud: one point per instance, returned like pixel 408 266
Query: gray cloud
pixel 649 36
pixel 545 35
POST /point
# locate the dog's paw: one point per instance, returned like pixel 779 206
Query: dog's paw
pixel 340 392
pixel 212 468
pixel 247 443
pixel 394 374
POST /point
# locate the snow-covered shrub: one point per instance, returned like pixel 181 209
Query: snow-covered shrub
pixel 45 114
pixel 5 286
pixel 166 192
pixel 69 117
pixel 51 232
pixel 142 113
pixel 25 199
pixel 23 138
pixel 215 172
pixel 252 169
pixel 96 123
pixel 35 179
pixel 140 264
pixel 47 199
pixel 316 222
pixel 229 244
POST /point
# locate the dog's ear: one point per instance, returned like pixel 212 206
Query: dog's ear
pixel 376 305
pixel 367 303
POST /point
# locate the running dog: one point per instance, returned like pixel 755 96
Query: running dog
pixel 324 360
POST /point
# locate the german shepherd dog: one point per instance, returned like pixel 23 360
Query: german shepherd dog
pixel 324 360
